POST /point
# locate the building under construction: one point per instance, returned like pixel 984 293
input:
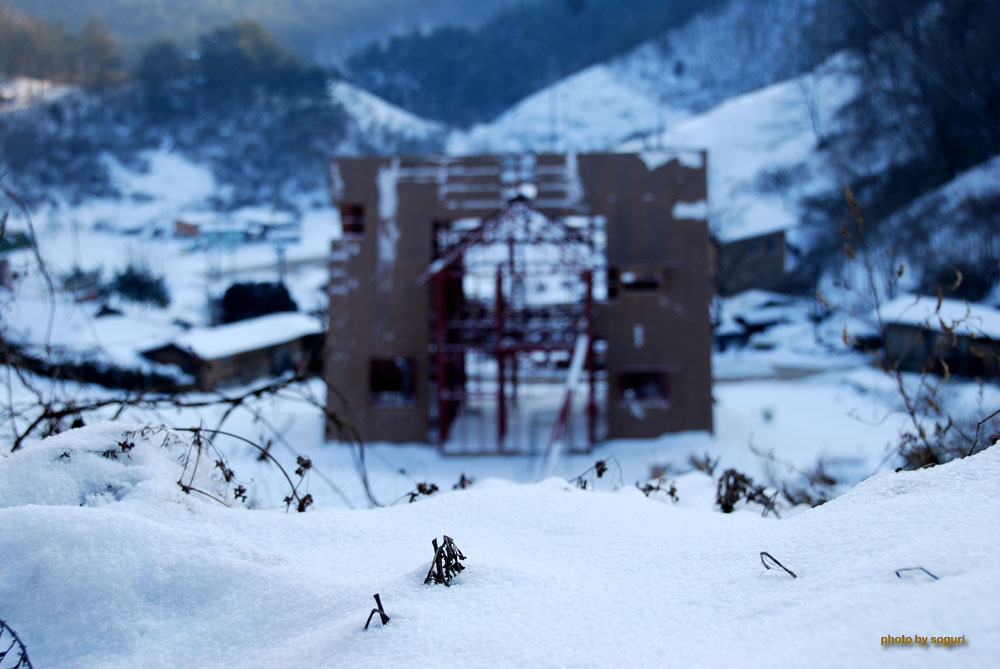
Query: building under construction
pixel 503 304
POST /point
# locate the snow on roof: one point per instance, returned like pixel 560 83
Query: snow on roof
pixel 690 210
pixel 960 317
pixel 198 217
pixel 727 236
pixel 263 215
pixel 248 335
pixel 654 159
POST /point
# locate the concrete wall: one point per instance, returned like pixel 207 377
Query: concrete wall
pixel 664 330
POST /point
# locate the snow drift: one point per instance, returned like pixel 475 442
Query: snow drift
pixel 144 575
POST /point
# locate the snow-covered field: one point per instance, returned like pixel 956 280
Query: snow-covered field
pixel 107 563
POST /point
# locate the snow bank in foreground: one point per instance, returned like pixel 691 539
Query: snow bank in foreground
pixel 554 576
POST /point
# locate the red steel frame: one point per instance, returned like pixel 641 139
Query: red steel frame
pixel 455 336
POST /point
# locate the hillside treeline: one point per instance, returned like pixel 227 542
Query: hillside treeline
pixel 928 109
pixel 462 75
pixel 31 47
pixel 310 28
pixel 227 60
pixel 242 103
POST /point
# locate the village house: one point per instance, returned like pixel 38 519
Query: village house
pixel 947 336
pixel 13 244
pixel 246 350
pixel 492 303
pixel 756 260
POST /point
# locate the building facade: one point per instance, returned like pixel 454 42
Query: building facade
pixel 442 261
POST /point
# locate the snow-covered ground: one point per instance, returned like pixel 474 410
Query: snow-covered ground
pixel 138 228
pixel 108 563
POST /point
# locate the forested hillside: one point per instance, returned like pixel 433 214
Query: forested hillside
pixel 314 29
pixel 263 119
pixel 32 47
pixel 462 75
pixel 928 111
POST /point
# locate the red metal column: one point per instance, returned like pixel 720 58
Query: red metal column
pixel 588 279
pixel 501 364
pixel 440 331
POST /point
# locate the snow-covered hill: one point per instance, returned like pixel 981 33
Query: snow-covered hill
pixel 375 125
pixel 61 144
pixel 738 47
pixel 954 225
pixel 763 146
pixel 722 83
pixel 763 149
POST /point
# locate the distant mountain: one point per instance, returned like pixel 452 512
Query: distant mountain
pixel 724 51
pixel 463 75
pixel 318 30
pixel 794 101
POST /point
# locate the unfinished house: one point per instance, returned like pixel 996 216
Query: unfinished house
pixel 506 304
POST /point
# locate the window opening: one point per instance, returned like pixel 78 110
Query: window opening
pixel 352 219
pixel 644 386
pixel 391 382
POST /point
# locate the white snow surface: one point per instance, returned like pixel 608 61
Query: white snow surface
pixel 109 234
pixel 763 155
pixel 107 563
pixel 956 316
pixel 20 93
pixel 590 110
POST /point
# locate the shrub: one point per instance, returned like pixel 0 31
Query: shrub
pixel 249 300
pixel 136 283
pixel 83 283
pixel 734 486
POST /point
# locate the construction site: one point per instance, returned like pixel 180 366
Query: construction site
pixel 520 304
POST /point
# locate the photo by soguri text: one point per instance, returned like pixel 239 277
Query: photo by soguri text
pixel 917 640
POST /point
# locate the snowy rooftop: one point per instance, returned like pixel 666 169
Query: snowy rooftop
pixel 961 317
pixel 248 335
pixel 263 215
